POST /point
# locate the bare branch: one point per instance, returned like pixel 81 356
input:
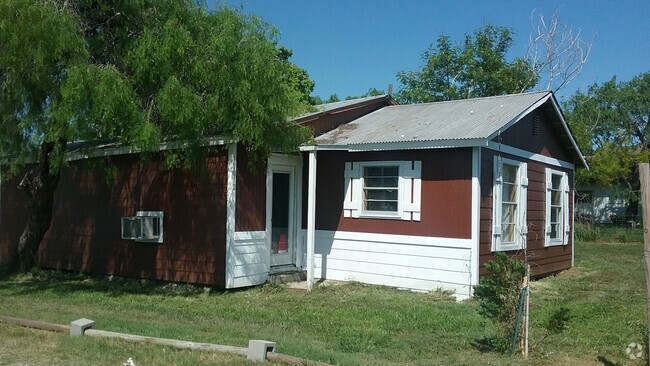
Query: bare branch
pixel 556 52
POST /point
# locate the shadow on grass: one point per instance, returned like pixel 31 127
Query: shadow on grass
pixel 62 282
pixel 487 344
pixel 607 362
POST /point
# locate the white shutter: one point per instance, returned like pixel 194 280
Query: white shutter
pixel 549 187
pixel 352 201
pixel 565 208
pixel 411 173
pixel 496 204
pixel 523 201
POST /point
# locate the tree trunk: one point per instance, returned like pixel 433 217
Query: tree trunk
pixel 39 183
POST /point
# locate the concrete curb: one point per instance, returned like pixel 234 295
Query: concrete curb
pixel 258 350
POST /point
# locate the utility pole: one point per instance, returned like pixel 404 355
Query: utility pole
pixel 644 176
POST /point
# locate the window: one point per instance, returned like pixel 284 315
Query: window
pixel 557 208
pixel 380 188
pixel 383 189
pixel 509 205
pixel 145 226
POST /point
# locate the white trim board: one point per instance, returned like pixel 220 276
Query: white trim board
pixel 231 196
pixel 476 215
pixel 124 150
pixel 507 149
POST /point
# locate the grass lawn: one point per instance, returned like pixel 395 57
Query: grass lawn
pixel 349 324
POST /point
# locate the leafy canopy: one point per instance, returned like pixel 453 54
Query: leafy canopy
pixel 611 123
pixel 476 68
pixel 140 72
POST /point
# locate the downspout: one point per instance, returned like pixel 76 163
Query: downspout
pixel 311 217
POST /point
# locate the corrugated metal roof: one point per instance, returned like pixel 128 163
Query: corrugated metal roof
pixel 467 119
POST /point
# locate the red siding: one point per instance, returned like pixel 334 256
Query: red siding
pixel 547 142
pixel 446 193
pixel 85 230
pixel 543 260
pixel 250 213
pixel 12 217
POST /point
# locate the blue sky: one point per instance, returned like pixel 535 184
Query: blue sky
pixel 350 46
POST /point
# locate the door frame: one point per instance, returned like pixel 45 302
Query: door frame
pixel 291 164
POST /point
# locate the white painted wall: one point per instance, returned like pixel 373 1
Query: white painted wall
pixel 404 261
pixel 605 201
pixel 248 259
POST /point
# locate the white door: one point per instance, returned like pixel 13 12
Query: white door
pixel 281 218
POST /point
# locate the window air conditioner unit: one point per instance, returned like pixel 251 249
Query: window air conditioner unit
pixel 145 226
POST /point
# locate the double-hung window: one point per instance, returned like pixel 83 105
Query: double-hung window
pixel 557 208
pixel 509 195
pixel 383 189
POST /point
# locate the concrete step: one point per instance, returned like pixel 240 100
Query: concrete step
pixel 287 277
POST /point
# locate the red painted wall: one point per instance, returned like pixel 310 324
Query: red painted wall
pixel 85 231
pixel 542 260
pixel 250 212
pixel 446 193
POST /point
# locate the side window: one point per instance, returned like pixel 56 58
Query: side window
pixel 509 205
pixel 557 208
pixel 383 189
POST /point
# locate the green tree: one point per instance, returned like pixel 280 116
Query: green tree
pixel 333 98
pixel 372 92
pixel 611 123
pixel 297 77
pixel 136 72
pixel 477 68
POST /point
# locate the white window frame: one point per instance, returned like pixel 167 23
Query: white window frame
pixel 409 190
pixel 565 227
pixel 147 221
pixel 521 228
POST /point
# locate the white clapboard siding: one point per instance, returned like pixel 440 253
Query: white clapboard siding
pixel 248 262
pixel 405 261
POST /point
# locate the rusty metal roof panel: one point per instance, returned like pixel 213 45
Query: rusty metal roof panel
pixel 477 118
pixel 326 107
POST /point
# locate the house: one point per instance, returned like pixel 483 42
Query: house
pixel 421 196
pixel 604 205
pixel 412 196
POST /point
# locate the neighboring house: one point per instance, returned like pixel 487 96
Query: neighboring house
pixel 414 196
pixel 602 205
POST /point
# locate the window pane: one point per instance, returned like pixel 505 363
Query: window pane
pixel 556 214
pixel 508 213
pixel 556 181
pixel 378 171
pixel 509 192
pixel 381 206
pixel 510 173
pixel 508 233
pixel 381 194
pixel 555 231
pixel 556 198
pixel 381 182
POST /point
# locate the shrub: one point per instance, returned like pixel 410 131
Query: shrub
pixel 498 295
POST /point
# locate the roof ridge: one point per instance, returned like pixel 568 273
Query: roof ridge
pixel 544 92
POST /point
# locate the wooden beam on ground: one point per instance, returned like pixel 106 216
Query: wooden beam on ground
pixel 35 324
pixel 644 177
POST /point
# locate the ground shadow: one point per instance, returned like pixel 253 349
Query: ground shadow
pixel 486 344
pixel 606 362
pixel 64 282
